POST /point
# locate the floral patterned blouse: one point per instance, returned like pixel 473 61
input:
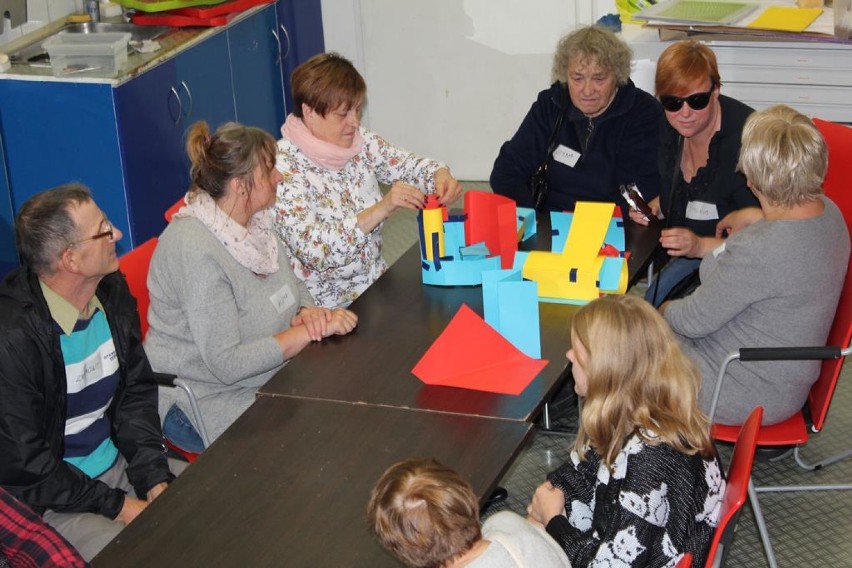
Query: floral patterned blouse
pixel 316 214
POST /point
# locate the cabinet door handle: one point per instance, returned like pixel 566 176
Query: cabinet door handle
pixel 180 106
pixel 277 43
pixel 188 96
pixel 287 37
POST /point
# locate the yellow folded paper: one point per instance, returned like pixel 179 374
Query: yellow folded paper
pixel 786 19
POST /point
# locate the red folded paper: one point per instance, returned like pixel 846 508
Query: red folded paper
pixel 471 354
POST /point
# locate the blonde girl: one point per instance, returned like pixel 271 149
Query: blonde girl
pixel 643 485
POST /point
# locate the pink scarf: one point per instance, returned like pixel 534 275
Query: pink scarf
pixel 328 155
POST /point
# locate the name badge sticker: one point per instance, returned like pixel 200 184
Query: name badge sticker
pixel 565 155
pixel 283 299
pixel 701 211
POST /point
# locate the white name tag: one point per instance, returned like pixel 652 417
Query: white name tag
pixel 718 250
pixel 283 299
pixel 701 211
pixel 565 155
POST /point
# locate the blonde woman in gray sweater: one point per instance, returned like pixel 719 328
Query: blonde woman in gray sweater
pixel 226 309
pixel 776 280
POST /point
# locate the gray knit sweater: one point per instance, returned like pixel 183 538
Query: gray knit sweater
pixel 774 284
pixel 212 321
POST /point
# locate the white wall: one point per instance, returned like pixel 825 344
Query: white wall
pixel 452 79
pixel 39 13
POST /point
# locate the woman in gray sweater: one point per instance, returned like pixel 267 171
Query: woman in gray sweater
pixel 226 309
pixel 776 280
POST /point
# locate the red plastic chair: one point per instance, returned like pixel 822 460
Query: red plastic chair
pixel 170 212
pixel 134 265
pixel 737 488
pixel 796 430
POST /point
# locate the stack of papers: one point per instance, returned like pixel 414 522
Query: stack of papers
pixel 697 11
pixel 786 19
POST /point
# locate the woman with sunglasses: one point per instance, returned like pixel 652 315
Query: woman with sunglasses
pixel 700 143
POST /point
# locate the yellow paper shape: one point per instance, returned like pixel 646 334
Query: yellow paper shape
pixel 786 19
pixel 580 260
pixel 433 222
pixel 588 228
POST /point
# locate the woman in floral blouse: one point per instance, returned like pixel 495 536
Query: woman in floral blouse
pixel 643 484
pixel 330 210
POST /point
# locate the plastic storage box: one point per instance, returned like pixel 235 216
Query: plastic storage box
pixel 100 54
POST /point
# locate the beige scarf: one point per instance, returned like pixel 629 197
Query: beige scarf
pixel 254 246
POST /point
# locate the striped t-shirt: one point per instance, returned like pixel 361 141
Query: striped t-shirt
pixel 91 375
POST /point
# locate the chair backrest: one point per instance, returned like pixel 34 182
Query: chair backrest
pixel 170 212
pixel 736 490
pixel 134 265
pixel 836 186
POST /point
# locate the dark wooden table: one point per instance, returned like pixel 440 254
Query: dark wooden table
pixel 400 318
pixel 288 485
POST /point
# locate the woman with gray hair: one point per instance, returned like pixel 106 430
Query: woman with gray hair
pixel 592 131
pixel 775 281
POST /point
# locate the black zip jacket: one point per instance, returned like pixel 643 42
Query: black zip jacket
pixel 33 403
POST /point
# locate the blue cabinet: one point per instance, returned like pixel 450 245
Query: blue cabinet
pixel 127 142
pixel 154 163
pixel 301 36
pixel 55 133
pixel 255 56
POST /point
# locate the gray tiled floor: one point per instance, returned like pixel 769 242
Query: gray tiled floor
pixel 807 529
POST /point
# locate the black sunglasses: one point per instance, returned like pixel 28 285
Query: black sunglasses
pixel 696 101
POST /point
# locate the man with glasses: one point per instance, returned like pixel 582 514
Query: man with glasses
pixel 80 437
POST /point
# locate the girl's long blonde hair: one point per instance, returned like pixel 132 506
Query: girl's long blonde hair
pixel 639 381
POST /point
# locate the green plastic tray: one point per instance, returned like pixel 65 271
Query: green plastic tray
pixel 162 5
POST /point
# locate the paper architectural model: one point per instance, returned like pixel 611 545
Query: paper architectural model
pixel 471 354
pixel 456 250
pixel 501 353
pixel 587 257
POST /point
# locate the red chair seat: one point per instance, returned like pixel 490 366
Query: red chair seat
pixel 791 432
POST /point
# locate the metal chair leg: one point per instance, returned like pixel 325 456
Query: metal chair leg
pixel 196 411
pixel 545 416
pixel 761 525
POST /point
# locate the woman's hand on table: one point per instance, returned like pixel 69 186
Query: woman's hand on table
pixel 547 502
pixel 323 322
pixel 447 188
pixel 315 320
pixel 342 321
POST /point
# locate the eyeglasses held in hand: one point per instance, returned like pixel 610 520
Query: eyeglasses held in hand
pixel 107 234
pixel 696 101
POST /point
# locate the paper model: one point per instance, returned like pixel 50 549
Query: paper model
pixel 511 307
pixel 455 250
pixel 587 257
pixel 471 354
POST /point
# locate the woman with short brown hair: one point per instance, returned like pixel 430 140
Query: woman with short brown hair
pixel 330 209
